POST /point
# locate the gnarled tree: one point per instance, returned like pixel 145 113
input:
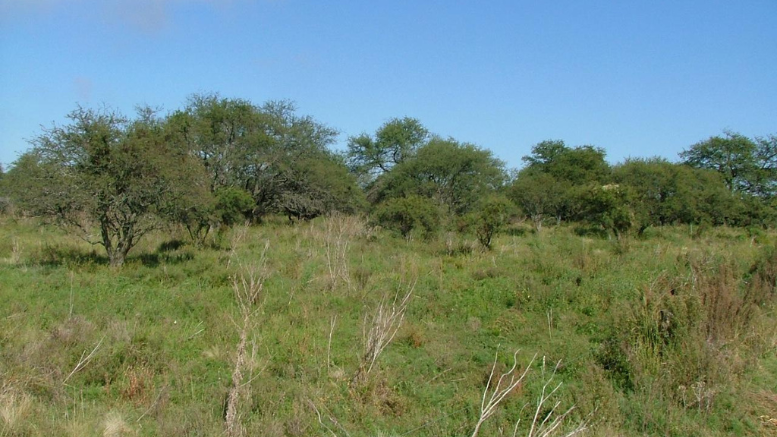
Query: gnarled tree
pixel 106 177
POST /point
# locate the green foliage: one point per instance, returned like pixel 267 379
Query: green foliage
pixel 748 168
pixel 233 205
pixel 578 165
pixel 763 178
pixel 747 165
pixel 606 206
pixel 732 156
pixel 278 157
pixel 408 214
pixel 702 197
pixel 103 170
pixel 540 196
pixel 490 219
pixel 653 183
pixel 552 182
pixel 394 142
pixel 318 185
pixel 454 175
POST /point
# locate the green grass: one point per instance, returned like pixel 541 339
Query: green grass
pixel 167 325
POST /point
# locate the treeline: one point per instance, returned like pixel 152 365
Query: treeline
pixel 221 161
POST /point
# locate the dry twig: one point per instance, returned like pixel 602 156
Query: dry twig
pixel 84 360
pixel 247 286
pixel 383 327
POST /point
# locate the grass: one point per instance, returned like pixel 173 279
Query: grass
pixel 663 335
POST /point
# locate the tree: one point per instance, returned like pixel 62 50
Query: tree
pixel 281 159
pixel 4 201
pixel 393 143
pixel 653 184
pixel 455 175
pixel 703 197
pixel 539 196
pixel 763 181
pixel 552 179
pixel 545 153
pixel 578 165
pixel 607 206
pixel 732 155
pixel 317 185
pixel 221 132
pixel 107 172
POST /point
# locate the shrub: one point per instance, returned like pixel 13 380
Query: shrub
pixel 490 219
pixel 233 205
pixel 408 214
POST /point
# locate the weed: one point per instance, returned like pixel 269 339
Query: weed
pixel 381 328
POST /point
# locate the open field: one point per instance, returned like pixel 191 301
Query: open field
pixel 286 330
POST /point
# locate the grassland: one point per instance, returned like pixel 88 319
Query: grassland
pixel 673 333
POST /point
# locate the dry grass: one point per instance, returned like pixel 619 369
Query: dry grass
pixel 114 425
pixel 339 230
pixel 381 328
pixel 247 285
pixel 15 407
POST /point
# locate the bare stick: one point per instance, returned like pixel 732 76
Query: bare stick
pixel 156 401
pixel 84 360
pixel 549 424
pixel 506 383
pixel 247 286
pixel 329 344
pixel 318 413
pixel 383 328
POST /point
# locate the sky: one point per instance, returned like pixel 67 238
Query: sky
pixel 638 78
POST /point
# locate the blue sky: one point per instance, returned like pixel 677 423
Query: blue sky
pixel 638 78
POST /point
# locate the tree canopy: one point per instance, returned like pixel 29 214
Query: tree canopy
pixel 455 175
pixel 221 161
pixel 747 165
pixel 577 165
pixel 395 141
pixel 281 159
pixel 108 173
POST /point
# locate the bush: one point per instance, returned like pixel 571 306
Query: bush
pixel 407 214
pixel 5 205
pixel 490 219
pixel 233 205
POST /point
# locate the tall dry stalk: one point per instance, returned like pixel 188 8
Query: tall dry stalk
pixel 238 235
pixel 507 383
pixel 543 424
pixel 247 285
pixel 84 360
pixel 339 230
pixel 548 424
pixel 380 329
pixel 16 251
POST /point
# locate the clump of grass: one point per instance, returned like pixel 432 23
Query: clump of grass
pixel 15 408
pixel 114 425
